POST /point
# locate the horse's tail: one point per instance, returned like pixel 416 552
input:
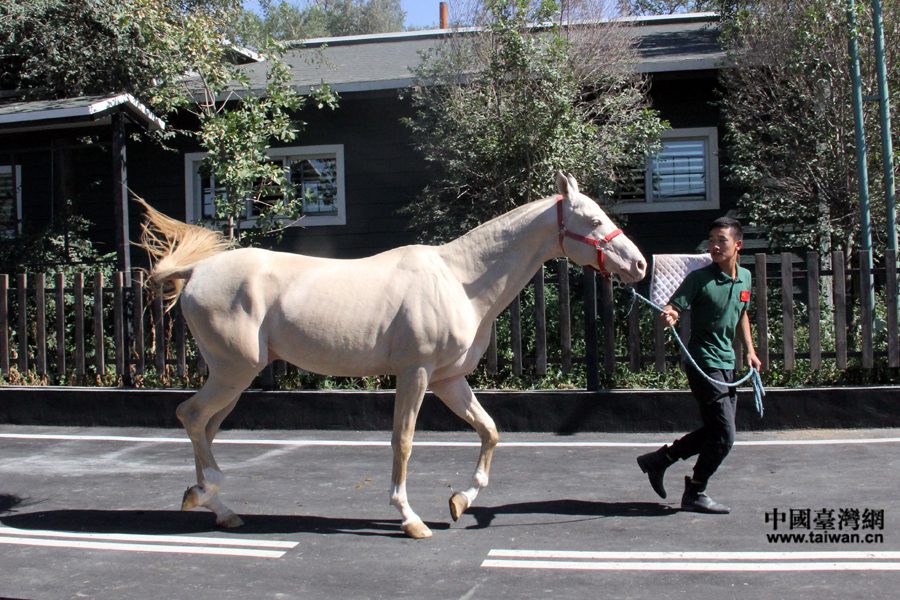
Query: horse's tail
pixel 174 248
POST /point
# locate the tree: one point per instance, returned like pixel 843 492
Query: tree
pixel 499 112
pixel 285 21
pixel 668 7
pixel 64 48
pixel 789 118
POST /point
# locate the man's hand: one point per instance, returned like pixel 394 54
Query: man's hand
pixel 669 315
pixel 753 360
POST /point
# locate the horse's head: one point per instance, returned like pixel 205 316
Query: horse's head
pixel 590 238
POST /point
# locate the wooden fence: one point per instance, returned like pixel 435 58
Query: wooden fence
pixel 87 329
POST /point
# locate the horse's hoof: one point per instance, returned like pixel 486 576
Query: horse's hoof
pixel 191 498
pixel 416 530
pixel 458 505
pixel 230 521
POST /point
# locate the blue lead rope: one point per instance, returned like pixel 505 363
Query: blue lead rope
pixel 758 390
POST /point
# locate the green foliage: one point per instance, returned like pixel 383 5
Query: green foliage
pixel 63 244
pixel 498 113
pixel 789 119
pixel 281 20
pixel 62 248
pixel 668 7
pixel 174 56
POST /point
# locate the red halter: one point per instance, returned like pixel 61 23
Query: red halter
pixel 590 241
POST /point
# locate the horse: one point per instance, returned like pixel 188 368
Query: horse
pixel 421 313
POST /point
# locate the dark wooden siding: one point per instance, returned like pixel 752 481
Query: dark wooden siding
pixel 383 174
pixel 685 100
pixel 383 171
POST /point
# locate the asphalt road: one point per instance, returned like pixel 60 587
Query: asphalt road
pixel 93 513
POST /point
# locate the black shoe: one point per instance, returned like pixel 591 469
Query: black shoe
pixel 696 500
pixel 654 464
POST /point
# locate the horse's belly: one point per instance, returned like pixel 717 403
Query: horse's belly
pixel 326 359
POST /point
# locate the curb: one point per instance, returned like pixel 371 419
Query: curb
pixel 559 411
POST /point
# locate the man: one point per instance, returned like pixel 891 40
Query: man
pixel 718 295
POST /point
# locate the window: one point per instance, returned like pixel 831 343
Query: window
pixel 10 202
pixel 683 175
pixel 315 172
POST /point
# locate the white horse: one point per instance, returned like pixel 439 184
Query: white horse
pixel 422 313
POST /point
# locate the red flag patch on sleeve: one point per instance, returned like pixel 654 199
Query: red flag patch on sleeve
pixel 745 295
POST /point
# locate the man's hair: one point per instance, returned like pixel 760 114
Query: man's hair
pixel 729 222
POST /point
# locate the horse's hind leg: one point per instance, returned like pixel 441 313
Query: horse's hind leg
pixel 410 392
pixel 458 396
pixel 201 416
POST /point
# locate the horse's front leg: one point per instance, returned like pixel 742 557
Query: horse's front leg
pixel 458 396
pixel 410 392
pixel 201 416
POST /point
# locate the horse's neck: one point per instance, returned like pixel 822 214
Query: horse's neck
pixel 496 260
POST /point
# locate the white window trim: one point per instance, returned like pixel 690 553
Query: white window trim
pixel 7 170
pixel 192 161
pixel 710 134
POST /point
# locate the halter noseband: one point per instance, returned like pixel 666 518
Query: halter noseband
pixel 597 243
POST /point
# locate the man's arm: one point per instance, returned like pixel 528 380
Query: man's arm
pixel 747 340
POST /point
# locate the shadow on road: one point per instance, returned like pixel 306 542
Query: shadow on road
pixel 485 515
pixel 177 522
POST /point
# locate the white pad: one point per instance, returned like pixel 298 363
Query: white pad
pixel 669 270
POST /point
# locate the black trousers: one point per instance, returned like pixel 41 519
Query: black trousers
pixel 713 441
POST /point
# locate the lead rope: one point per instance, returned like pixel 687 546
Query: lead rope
pixel 758 390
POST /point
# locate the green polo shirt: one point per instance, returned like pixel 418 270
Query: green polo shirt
pixel 716 302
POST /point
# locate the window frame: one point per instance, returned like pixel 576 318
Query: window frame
pixel 709 135
pixel 16 231
pixel 193 191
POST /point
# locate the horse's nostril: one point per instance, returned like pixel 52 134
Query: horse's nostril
pixel 641 265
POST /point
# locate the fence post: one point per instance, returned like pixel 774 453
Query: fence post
pixel 4 328
pixel 515 333
pixel 890 289
pixel 180 350
pixel 78 286
pixel 565 316
pixel 634 338
pixel 99 340
pixel 540 324
pixel 119 323
pixel 839 282
pixel 865 279
pixel 159 314
pixel 762 311
pixel 609 330
pixel 40 301
pixel 591 356
pixel 787 309
pixel 60 325
pixel 815 313
pixel 492 350
pixel 21 301
pixel 137 296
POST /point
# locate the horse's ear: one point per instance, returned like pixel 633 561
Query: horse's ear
pixel 573 185
pixel 562 184
pixel 567 185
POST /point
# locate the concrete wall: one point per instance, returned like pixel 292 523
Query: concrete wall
pixel 563 412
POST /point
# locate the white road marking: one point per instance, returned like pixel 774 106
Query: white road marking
pixel 691 566
pixel 168 544
pixel 424 443
pixel 693 561
pixel 134 537
pixel 750 555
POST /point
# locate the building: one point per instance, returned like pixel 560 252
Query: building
pixel 360 156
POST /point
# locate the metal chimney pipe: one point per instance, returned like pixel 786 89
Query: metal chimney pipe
pixel 444 24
